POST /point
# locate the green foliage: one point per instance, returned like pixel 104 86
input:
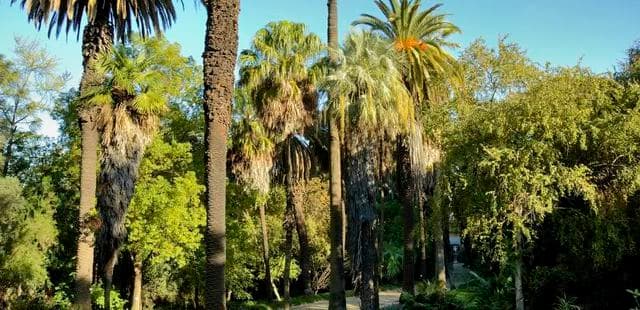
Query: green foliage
pixel 166 213
pixel 28 84
pixel 27 231
pixel 367 88
pixel 421 36
pixel 97 298
pixel 279 75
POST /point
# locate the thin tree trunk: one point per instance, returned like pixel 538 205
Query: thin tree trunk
pixel 446 242
pixel 219 60
pixel 405 190
pixel 97 38
pixel 517 274
pixel 440 267
pixel 423 239
pixel 265 249
pixel 337 297
pixel 108 278
pixel 8 154
pixel 136 296
pixel 288 246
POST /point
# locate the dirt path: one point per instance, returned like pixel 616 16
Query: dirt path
pixel 388 299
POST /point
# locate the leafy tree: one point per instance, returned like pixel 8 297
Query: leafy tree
pixel 630 67
pixel 29 83
pixel 522 165
pixel 166 214
pixel 27 231
pixel 492 75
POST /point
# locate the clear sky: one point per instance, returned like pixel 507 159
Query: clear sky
pixel 560 31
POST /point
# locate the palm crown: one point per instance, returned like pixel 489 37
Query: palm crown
pixel 278 71
pixel 67 15
pixel 421 35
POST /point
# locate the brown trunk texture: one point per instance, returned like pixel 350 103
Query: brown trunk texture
pixel 97 37
pixel 219 60
pixel 423 241
pixel 265 249
pixel 405 191
pixel 337 299
pixel 362 230
pixel 136 296
pixel 297 192
pixel 289 219
pixel 440 267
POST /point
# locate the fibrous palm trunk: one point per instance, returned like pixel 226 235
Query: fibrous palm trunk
pixel 337 299
pixel 123 149
pixel 219 59
pixel 97 37
pixel 362 218
pixel 406 193
pixel 297 192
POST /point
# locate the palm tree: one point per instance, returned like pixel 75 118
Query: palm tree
pixel 337 297
pixel 277 73
pixel 97 37
pixel 252 163
pixel 219 61
pixel 138 82
pixel 420 36
pixel 368 93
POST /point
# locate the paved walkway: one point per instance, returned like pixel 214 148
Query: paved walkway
pixel 388 299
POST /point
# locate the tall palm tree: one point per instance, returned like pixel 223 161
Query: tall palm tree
pixel 252 163
pixel 337 285
pixel 97 37
pixel 278 73
pixel 139 79
pixel 420 36
pixel 369 93
pixel 219 61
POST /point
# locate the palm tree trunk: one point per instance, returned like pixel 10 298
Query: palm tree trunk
pixel 297 192
pixel 363 221
pixel 116 185
pixel 97 37
pixel 136 296
pixel 337 296
pixel 405 191
pixel 219 59
pixel 265 249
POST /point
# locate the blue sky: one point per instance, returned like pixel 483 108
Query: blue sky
pixel 560 31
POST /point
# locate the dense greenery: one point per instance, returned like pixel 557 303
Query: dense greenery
pixel 536 168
